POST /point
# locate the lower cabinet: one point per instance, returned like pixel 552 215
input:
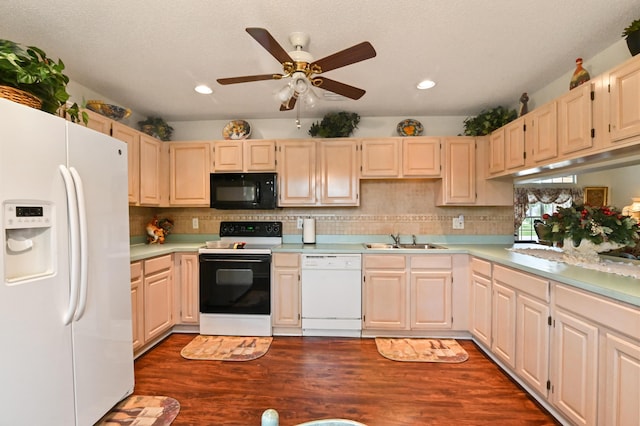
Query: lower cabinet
pixel 430 292
pixel 151 299
pixel 187 287
pixel 480 301
pixel 384 294
pixel 285 294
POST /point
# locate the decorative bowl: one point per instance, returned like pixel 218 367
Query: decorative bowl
pixel 410 127
pixel 113 112
pixel 236 130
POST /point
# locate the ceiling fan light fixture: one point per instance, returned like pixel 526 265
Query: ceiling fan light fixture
pixel 310 99
pixel 285 93
pixel 203 89
pixel 426 84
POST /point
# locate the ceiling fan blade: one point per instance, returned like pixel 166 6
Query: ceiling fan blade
pixel 351 55
pixel 289 105
pixel 339 88
pixel 267 41
pixel 248 78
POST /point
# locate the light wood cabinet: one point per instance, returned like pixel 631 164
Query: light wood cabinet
pixel 414 157
pixel 503 321
pixel 532 342
pixel 98 122
pixel 384 295
pixel 541 134
pixel 132 138
pixel 430 292
pixel 624 83
pixel 189 169
pixel 318 173
pixel 490 192
pixel 497 154
pixel 480 301
pixel 187 283
pixel 285 294
pixel 514 144
pixel 137 305
pixel 575 121
pixel 150 170
pixel 458 185
pixel 244 156
pixel 622 383
pixel 158 296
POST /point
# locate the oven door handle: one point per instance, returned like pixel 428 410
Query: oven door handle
pixel 236 260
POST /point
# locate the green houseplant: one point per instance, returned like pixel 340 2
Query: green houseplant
pixel 30 70
pixel 488 120
pixel 156 127
pixel 335 125
pixel 632 35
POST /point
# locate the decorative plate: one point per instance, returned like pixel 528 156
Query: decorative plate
pixel 410 127
pixel 113 112
pixel 236 130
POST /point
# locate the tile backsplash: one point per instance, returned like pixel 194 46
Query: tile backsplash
pixel 386 206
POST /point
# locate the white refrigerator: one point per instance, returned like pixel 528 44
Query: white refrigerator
pixel 65 300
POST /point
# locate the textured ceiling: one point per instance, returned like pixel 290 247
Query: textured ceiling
pixel 148 55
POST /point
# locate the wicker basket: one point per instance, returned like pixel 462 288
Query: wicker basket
pixel 20 96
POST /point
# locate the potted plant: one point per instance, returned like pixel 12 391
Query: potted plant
pixel 632 35
pixel 335 125
pixel 28 69
pixel 156 127
pixel 488 120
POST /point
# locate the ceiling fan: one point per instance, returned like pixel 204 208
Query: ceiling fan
pixel 304 72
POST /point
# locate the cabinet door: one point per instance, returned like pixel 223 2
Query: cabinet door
pixel 431 300
pixel 497 151
pixel 381 158
pixel 158 304
pixel 189 288
pixel 228 156
pixel 339 172
pixel 421 157
pixel 490 191
pixel 504 324
pixel 532 342
pixel 575 372
pixel 132 139
pixel 624 84
pixel 459 180
pixel 259 155
pixel 385 300
pixel 98 122
pixel 189 169
pixel 297 173
pixel 150 152
pixel 481 308
pixel 137 305
pixel 575 120
pixel 541 133
pixel 622 386
pixel 285 294
pixel 514 144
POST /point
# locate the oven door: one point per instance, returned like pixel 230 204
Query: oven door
pixel 235 283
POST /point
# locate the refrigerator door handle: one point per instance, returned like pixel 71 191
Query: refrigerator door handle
pixel 72 208
pixel 84 249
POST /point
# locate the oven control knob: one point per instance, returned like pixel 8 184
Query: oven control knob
pixel 276 229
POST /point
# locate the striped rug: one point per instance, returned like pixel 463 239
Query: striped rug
pixel 421 350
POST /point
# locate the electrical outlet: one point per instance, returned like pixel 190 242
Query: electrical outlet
pixel 299 223
pixel 458 222
pixel 194 223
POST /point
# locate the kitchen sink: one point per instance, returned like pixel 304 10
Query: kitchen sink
pixel 385 246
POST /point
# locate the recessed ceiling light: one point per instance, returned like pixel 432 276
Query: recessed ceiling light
pixel 426 84
pixel 203 89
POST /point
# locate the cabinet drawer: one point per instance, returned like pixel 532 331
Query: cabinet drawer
pixel 614 315
pixel 136 270
pixel 286 260
pixel 384 261
pixel 520 281
pixel 431 261
pixel 481 267
pixel 156 264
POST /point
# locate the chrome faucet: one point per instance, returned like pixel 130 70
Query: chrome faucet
pixel 396 239
pixel 413 237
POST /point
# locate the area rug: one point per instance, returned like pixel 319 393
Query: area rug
pixel 421 350
pixel 226 348
pixel 138 410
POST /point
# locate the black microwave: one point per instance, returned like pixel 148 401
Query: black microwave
pixel 237 191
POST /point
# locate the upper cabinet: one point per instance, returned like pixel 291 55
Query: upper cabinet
pixel 458 184
pixel 244 156
pixel 132 139
pixel 189 169
pixel 541 134
pixel 624 87
pixel 318 173
pixel 514 144
pixel 575 120
pixel 150 170
pixel 401 157
pixel 496 151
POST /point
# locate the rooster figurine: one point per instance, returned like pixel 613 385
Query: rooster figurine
pixel 579 76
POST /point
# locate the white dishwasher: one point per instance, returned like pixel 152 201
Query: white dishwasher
pixel 331 295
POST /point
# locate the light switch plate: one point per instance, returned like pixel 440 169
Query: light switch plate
pixel 458 222
pixel 194 223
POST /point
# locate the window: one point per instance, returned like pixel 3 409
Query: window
pixel 526 232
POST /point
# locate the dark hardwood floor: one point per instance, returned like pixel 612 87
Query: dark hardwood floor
pixel 319 377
